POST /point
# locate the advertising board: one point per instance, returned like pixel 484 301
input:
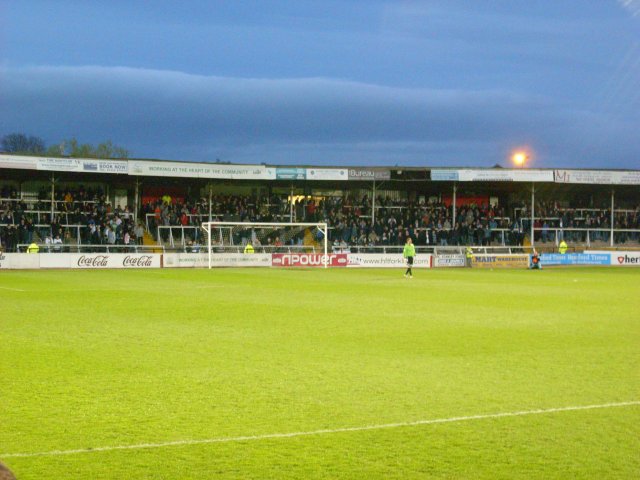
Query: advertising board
pixel 386 260
pixel 15 261
pixel 512 260
pixel 105 166
pixel 450 260
pixel 308 260
pixel 369 174
pixel 19 162
pixel 491 175
pixel 290 173
pixel 88 165
pixel 327 174
pixel 200 170
pixel 444 175
pixel 547 259
pixel 621 259
pixel 200 260
pixel 625 259
pixel 602 177
pixel 99 260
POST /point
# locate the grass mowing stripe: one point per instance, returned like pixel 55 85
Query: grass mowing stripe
pixel 323 431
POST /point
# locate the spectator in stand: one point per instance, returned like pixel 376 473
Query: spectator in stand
pixel 48 241
pixel 67 241
pixel 57 244
pixel 139 233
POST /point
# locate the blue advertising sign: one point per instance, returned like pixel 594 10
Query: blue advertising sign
pixel 439 175
pixel 291 173
pixel 547 259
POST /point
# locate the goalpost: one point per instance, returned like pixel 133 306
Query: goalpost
pixel 266 237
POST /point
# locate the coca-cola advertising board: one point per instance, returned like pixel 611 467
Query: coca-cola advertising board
pixel 100 260
pixel 309 260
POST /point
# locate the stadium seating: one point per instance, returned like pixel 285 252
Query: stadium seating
pixel 80 215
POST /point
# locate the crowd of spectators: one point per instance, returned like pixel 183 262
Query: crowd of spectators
pixel 572 223
pixel 431 223
pixel 81 215
pixel 351 222
pixel 167 212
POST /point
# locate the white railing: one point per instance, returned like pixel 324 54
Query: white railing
pixel 150 220
pixel 73 248
pixel 153 228
pixel 47 226
pixel 261 249
pixel 63 213
pixel 169 238
pixel 46 200
pixel 457 249
pixel 581 211
pixel 587 235
pixel 77 229
pixel 177 236
pixel 501 231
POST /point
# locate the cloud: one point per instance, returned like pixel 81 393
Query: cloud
pixel 173 115
pixel 633 6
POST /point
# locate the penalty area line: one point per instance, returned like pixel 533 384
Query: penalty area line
pixel 363 428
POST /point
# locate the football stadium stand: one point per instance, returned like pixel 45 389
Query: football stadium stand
pixel 66 205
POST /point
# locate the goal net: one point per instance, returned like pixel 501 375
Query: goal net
pixel 256 237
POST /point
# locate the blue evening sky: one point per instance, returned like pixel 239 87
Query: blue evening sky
pixel 425 83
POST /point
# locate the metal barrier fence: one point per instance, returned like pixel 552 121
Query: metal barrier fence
pixel 182 238
pixel 174 236
pixel 436 250
pixel 586 236
pixel 151 220
pixel 74 248
pixel 394 249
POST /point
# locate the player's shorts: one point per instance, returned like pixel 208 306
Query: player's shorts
pixel 409 261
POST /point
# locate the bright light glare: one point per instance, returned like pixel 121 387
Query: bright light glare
pixel 519 158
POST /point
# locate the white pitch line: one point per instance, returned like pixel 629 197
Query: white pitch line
pixel 13 289
pixel 317 432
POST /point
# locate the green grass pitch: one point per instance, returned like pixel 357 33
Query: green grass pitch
pixel 94 359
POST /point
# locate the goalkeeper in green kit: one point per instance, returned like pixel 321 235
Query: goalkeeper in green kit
pixel 408 253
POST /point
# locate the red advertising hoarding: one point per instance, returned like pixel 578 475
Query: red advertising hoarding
pixel 309 260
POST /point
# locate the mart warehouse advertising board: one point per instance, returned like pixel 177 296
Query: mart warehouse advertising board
pixel 514 260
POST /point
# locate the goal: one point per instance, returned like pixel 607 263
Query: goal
pixel 266 237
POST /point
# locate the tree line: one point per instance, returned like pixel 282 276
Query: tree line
pixel 21 143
